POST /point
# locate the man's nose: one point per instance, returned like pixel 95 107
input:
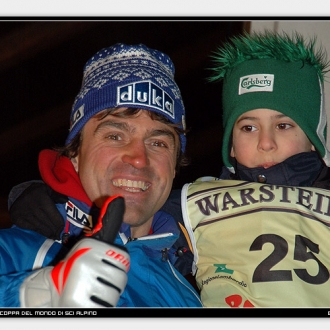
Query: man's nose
pixel 136 154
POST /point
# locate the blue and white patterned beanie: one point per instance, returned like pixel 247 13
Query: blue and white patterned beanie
pixel 128 76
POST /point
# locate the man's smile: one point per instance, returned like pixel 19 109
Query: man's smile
pixel 131 185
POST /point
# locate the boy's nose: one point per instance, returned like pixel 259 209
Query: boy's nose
pixel 266 142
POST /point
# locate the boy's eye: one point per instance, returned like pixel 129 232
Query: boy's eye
pixel 284 126
pixel 248 128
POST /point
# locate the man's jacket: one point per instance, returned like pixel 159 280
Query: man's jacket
pixel 48 220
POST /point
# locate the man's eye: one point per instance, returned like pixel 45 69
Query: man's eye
pixel 115 137
pixel 159 144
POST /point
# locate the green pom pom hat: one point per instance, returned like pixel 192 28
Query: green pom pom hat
pixel 275 72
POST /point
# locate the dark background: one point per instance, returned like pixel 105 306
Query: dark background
pixel 41 63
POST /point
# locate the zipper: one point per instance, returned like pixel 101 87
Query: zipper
pixel 165 254
pixel 177 277
pixel 66 234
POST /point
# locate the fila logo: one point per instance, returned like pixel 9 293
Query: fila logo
pixel 77 215
pixel 145 93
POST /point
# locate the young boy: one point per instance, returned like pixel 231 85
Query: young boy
pixel 260 233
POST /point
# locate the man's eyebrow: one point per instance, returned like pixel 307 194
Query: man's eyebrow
pixel 112 123
pixel 163 132
pixel 125 127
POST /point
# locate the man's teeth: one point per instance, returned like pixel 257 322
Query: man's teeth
pixel 131 184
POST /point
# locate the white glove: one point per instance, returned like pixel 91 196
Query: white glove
pixel 93 274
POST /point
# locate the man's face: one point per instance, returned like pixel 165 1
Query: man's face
pixel 133 156
pixel 264 137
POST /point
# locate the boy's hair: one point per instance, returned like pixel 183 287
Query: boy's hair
pixel 268 45
pixel 274 71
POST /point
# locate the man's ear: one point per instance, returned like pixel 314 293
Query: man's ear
pixel 313 148
pixel 74 161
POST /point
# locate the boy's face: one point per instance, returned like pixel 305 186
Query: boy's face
pixel 264 137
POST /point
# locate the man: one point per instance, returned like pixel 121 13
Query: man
pixel 126 143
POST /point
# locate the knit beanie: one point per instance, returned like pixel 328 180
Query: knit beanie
pixel 128 76
pixel 276 72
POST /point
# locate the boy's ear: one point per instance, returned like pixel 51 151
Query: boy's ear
pixel 313 148
pixel 232 153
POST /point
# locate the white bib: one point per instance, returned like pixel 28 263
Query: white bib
pixel 259 245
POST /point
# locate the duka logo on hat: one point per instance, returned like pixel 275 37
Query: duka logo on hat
pixel 147 93
pixel 256 83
